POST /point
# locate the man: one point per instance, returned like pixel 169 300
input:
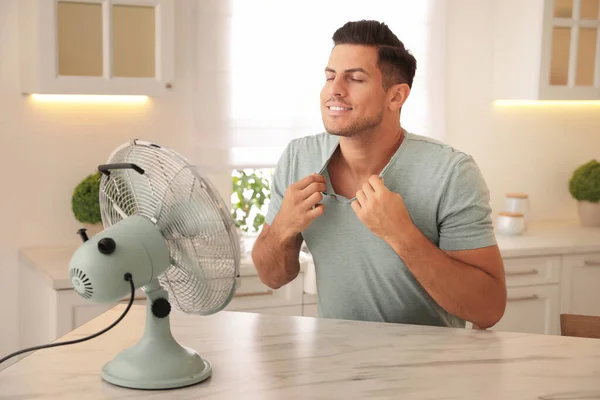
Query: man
pixel 399 225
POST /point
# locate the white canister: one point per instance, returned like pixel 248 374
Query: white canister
pixel 510 223
pixel 518 203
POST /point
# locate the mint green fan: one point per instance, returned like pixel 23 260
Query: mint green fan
pixel 169 231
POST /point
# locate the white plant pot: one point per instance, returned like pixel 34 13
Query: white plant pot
pixel 589 213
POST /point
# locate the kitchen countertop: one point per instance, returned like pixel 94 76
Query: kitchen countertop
pixel 551 238
pixel 541 239
pixel 260 356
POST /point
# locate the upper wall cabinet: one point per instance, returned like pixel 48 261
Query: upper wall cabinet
pixel 547 49
pixel 96 46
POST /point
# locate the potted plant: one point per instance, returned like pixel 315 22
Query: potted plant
pixel 584 186
pixel 251 192
pixel 85 203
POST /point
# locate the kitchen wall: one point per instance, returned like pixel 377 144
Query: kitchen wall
pixel 46 149
pixel 528 148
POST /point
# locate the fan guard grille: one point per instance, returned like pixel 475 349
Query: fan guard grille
pixel 192 217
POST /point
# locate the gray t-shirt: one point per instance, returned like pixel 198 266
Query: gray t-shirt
pixel 358 275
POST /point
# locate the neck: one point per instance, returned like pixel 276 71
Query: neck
pixel 366 155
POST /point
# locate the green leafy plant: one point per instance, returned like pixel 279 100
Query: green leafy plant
pixel 85 201
pixel 584 184
pixel 251 192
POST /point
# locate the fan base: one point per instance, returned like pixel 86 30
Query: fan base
pixel 134 373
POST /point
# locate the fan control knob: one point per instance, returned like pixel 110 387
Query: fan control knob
pixel 106 246
pixel 161 307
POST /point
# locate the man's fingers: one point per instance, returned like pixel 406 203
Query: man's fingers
pixel 360 198
pixel 312 200
pixel 314 187
pixel 316 212
pixel 376 182
pixel 355 206
pixel 307 180
pixel 368 191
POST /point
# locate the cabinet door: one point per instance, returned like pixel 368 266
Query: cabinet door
pixel 117 47
pixel 310 310
pixel 570 62
pixel 581 278
pixel 533 309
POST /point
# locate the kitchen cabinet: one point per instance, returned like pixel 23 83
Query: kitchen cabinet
pixel 533 309
pixel 309 303
pixel 546 49
pixel 533 295
pixel 581 279
pixel 254 295
pixel 96 47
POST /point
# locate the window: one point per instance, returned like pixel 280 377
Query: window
pixel 278 50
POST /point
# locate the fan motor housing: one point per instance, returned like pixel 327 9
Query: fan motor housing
pixel 133 245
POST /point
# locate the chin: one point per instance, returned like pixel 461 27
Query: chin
pixel 339 132
pixel 336 130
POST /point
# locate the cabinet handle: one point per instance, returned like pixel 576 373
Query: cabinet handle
pixel 592 263
pixel 265 293
pixel 518 273
pixel 523 298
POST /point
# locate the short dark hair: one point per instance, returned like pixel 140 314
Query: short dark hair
pixel 396 63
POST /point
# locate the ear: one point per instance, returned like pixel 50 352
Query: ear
pixel 398 95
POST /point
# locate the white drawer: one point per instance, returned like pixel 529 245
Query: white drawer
pixel 589 260
pixel 253 294
pixel 525 271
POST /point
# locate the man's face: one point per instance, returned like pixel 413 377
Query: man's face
pixel 353 98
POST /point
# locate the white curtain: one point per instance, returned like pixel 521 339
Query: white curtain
pixel 278 50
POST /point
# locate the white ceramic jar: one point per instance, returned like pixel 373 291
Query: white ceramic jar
pixel 510 223
pixel 518 203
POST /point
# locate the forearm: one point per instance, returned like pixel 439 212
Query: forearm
pixel 463 290
pixel 276 258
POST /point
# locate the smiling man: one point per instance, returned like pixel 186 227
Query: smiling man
pixel 399 225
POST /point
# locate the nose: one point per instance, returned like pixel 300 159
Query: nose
pixel 336 87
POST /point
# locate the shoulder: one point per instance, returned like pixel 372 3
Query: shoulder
pixel 434 146
pixel 435 153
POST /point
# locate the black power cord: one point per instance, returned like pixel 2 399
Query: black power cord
pixel 127 277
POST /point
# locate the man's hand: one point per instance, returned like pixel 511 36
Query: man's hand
pixel 299 206
pixel 381 210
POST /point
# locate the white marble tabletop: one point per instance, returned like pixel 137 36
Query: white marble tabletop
pixel 259 356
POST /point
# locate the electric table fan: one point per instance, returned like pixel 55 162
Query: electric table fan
pixel 169 232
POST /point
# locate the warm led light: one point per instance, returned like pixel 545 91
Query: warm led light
pixel 542 103
pixel 90 99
